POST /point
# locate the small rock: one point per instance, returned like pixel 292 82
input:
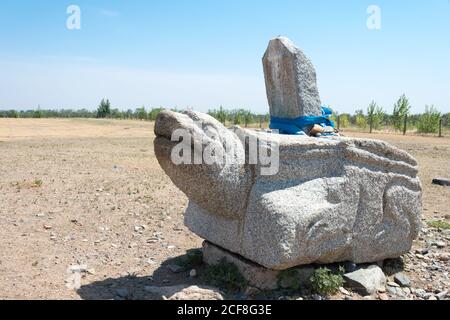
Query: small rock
pixel 383 296
pixel 150 261
pixel 402 279
pixel 175 268
pixel 392 290
pixel 444 256
pixel 407 291
pixel 193 273
pixel 393 284
pixel 317 297
pixel 78 268
pixel 171 247
pixel 420 293
pixel 366 280
pixel 123 293
pixel 432 298
pixel 442 295
pixel 350 266
pixel 185 293
pixel 440 244
pixel 423 251
pixel 90 271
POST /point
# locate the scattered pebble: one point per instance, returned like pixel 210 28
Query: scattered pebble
pixel 402 279
pixel 420 293
pixel 440 244
pixel 383 296
pixel 393 284
pixel 442 295
pixel 150 261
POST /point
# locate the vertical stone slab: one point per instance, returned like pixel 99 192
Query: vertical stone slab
pixel 290 81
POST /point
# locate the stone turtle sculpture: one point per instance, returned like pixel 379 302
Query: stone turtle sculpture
pixel 332 199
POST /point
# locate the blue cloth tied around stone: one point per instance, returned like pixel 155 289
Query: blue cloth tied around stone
pixel 297 126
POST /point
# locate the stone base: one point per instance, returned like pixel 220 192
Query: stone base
pixel 257 275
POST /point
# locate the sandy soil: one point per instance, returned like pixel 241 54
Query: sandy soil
pixel 90 192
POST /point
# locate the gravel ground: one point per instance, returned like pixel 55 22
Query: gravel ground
pixel 87 213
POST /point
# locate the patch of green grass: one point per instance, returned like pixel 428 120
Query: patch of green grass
pixel 224 275
pixel 192 259
pixel 439 224
pixel 326 283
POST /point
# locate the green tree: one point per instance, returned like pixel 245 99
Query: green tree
pixel 401 110
pixel 221 115
pixel 116 114
pixel 344 120
pixel 12 114
pixel 153 114
pixel 104 109
pixel 248 117
pixel 360 119
pixel 429 121
pixel 375 115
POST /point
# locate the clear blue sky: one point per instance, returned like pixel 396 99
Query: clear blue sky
pixel 204 54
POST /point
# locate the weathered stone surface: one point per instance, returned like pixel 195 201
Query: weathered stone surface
pixel 335 199
pixel 332 200
pixel 182 292
pixel 290 81
pixel 366 281
pixel 258 276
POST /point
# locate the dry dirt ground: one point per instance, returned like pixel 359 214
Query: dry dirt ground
pixel 86 201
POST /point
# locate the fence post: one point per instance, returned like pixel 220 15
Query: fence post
pixel 339 122
pixel 260 121
pixel 405 124
pixel 440 128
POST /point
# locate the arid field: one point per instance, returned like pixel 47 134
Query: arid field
pixel 91 193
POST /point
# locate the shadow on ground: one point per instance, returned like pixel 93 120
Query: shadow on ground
pixel 132 287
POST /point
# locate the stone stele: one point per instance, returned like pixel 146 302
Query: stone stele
pixel 290 81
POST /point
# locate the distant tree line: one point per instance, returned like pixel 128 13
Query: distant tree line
pixel 401 119
pixel 371 118
pixel 104 110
